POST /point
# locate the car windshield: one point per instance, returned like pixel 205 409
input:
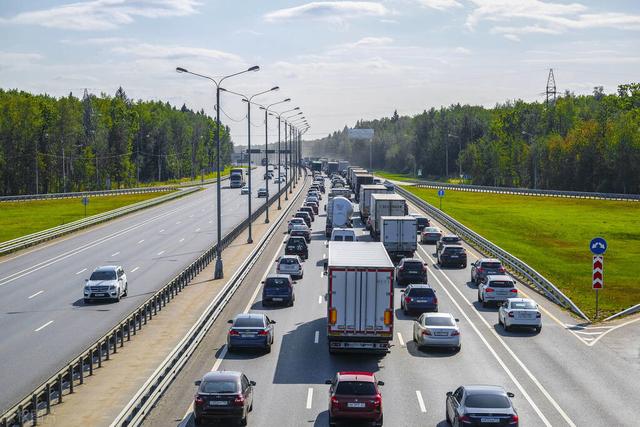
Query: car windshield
pixel 248 322
pixel 524 305
pixel 431 230
pixel 439 321
pixel 276 283
pixel 348 238
pixel 356 388
pixel 456 250
pixel 288 261
pixel 487 401
pixel 103 275
pixel 413 265
pixel 450 239
pixel 220 387
pixel 501 284
pixel 420 292
pixel 493 265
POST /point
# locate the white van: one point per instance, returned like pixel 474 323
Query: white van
pixel 343 235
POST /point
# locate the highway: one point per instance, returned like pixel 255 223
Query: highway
pixel 566 375
pixel 43 318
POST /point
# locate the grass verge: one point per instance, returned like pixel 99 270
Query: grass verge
pixel 552 235
pixel 21 218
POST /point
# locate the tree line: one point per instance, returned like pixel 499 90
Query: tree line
pixel 50 144
pixel 581 143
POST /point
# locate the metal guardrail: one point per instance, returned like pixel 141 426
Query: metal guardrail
pixel 528 191
pixel 625 312
pixel 517 267
pixel 28 197
pixel 28 409
pixel 52 233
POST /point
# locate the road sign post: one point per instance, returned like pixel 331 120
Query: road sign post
pixel 598 247
pixel 441 195
pixel 85 202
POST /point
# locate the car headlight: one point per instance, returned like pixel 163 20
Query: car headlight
pixel 112 288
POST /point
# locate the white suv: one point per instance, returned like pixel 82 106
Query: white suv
pixel 497 289
pixel 108 282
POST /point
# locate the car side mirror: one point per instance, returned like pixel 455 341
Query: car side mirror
pixel 230 321
pixel 380 382
pixel 86 280
pixel 273 322
pixel 510 394
pixel 457 320
pixel 402 291
pixel 252 383
pixel 329 382
pixel 295 281
pixel 449 393
pixel 198 383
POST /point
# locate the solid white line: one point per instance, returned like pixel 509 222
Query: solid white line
pixel 141 241
pixel 197 230
pixel 44 326
pixel 508 349
pixel 135 269
pixel 160 253
pixel 309 397
pixel 161 231
pixel 36 294
pixel 117 253
pixel 420 401
pixel 400 339
pixel 317 337
pixel 181 240
pixel 178 222
pixel 613 329
pixel 320 299
pixel 82 271
pixel 589 333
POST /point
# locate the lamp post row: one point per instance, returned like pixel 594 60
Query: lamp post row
pixel 218 274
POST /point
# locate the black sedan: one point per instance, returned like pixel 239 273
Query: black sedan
pixel 223 395
pixel 480 405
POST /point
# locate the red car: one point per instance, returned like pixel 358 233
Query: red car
pixel 355 396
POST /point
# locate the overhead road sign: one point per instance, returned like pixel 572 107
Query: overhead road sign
pixel 361 133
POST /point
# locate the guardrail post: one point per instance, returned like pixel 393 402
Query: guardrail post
pixel 90 362
pixel 99 355
pixel 59 388
pixel 34 405
pixel 71 379
pixel 129 329
pixel 115 341
pixel 47 391
pixel 20 416
pixel 121 335
pixel 145 309
pixel 108 346
pixel 81 369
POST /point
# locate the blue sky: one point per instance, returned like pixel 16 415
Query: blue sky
pixel 339 61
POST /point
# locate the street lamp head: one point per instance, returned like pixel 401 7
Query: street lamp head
pixel 181 70
pixel 275 88
pixel 262 108
pixel 287 100
pixel 254 68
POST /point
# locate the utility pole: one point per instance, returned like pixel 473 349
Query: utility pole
pixel 64 177
pixel 551 88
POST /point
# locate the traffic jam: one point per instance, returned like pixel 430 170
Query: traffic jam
pixel 356 254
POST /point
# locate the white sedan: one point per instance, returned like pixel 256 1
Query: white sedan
pixel 437 330
pixel 520 312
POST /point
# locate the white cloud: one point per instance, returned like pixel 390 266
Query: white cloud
pixel 462 50
pixel 367 42
pixel 549 17
pixel 98 41
pixel 336 11
pixel 440 4
pixel 103 14
pixel 19 57
pixel 151 51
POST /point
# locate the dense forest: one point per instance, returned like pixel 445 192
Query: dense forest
pixel 583 143
pixel 52 144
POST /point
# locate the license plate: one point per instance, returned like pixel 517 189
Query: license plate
pixel 489 420
pixel 422 300
pixel 247 335
pixel 442 334
pixel 525 315
pixel 355 405
pixel 218 402
pixel 454 256
pixel 99 295
pixel 276 299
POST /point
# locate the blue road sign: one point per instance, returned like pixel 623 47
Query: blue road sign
pixel 598 246
pixel 441 193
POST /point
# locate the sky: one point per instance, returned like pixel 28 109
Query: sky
pixel 339 61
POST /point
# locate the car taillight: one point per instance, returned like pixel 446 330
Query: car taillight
pixel 515 291
pixel 377 402
pixel 408 299
pixel 480 270
pixel 510 314
pixel 333 316
pixel 426 332
pixel 238 401
pixel 489 290
pixel 263 332
pixel 401 269
pixel 388 317
pixel 455 333
pixel 335 402
pixel 538 315
pixel 198 400
pixel 435 300
pixel 501 270
pixel 514 419
pixel 232 332
pixel 464 419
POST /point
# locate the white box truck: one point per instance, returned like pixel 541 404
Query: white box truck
pixel 385 205
pixel 360 297
pixel 398 235
pixel 365 197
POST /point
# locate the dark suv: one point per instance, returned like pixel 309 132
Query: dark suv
pixel 419 298
pixel 278 289
pixel 355 397
pixel 224 395
pixel 421 222
pixel 484 267
pixel 411 270
pixel 309 210
pixel 452 255
pixel 449 240
pixel 305 216
pixel 297 246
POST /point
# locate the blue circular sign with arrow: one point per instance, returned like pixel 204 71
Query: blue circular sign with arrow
pixel 441 193
pixel 598 246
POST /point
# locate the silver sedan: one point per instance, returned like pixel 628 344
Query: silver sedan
pixel 520 312
pixel 437 330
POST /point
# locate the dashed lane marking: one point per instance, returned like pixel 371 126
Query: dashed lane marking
pixel 35 295
pixel 160 253
pixel 400 339
pixel 420 401
pixel 309 397
pixel 140 241
pixel 44 326
pixel 115 254
pixel 81 271
pixel 135 269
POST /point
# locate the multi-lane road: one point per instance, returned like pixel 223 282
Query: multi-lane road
pixel 566 375
pixel 43 319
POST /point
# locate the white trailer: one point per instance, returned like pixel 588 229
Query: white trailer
pixel 398 235
pixel 339 212
pixel 360 297
pixel 365 197
pixel 385 205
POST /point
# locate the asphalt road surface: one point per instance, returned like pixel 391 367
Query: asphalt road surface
pixel 566 375
pixel 43 319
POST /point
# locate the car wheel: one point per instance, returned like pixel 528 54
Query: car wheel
pixel 229 348
pixel 538 329
pixel 197 421
pixel 499 320
pixel 464 265
pixel 126 290
pixel 332 423
pixel 479 300
pixel 379 423
pixel 117 298
pixel 484 303
pixel 87 300
pixel 506 327
pixel 267 349
pixel 244 420
pixel 446 415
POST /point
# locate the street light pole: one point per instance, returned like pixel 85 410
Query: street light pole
pixel 218 273
pixel 535 158
pixel 450 135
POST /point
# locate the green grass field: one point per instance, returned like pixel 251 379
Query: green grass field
pixel 409 178
pixel 552 235
pixel 21 218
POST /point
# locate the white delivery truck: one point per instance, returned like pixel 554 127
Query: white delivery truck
pixel 385 205
pixel 398 235
pixel 365 197
pixel 360 297
pixel 339 212
pixel 342 165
